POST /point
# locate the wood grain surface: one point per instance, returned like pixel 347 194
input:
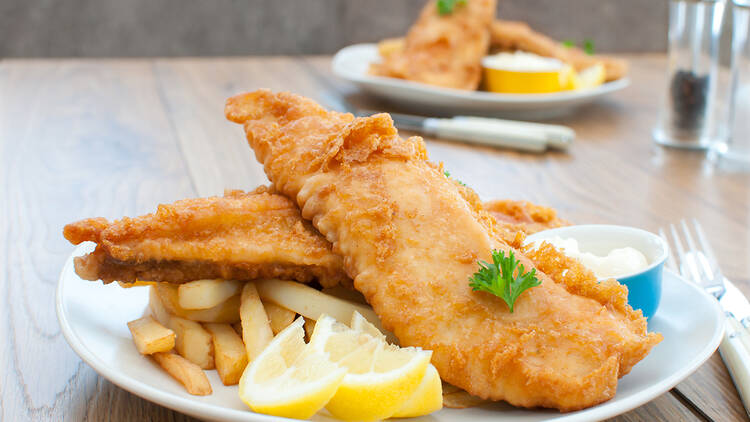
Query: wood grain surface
pixel 117 137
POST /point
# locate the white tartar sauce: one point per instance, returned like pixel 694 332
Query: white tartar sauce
pixel 618 262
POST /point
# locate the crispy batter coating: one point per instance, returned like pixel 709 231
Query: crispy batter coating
pixel 411 238
pixel 443 50
pixel 182 255
pixel 511 35
pixel 238 236
pixel 522 216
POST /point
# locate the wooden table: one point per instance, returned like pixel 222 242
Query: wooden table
pixel 82 138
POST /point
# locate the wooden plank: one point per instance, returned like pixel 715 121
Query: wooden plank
pixel 194 92
pixel 663 408
pixel 77 139
pixel 711 389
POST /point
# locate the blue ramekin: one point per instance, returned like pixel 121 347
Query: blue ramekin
pixel 644 287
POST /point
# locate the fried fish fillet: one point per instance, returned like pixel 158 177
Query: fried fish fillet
pixel 238 236
pixel 411 239
pixel 511 35
pixel 443 50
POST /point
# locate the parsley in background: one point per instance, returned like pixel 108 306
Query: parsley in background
pixel 445 7
pixel 504 278
pixel 448 175
pixel 588 45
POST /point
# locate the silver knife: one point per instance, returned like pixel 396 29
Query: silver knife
pixel 534 137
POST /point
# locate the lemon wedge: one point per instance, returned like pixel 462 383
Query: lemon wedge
pixel 590 77
pixel 289 378
pixel 380 377
pixel 526 73
pixel 426 399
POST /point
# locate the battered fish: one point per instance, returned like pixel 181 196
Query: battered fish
pixel 239 236
pixel 411 239
pixel 510 35
pixel 443 50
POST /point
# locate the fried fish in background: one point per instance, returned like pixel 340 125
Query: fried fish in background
pixel 411 239
pixel 243 236
pixel 511 36
pixel 442 50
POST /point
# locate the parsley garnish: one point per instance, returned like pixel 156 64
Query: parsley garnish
pixel 504 278
pixel 445 7
pixel 588 47
pixel 448 175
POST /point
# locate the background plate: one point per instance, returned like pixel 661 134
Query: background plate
pixel 93 320
pixel 352 63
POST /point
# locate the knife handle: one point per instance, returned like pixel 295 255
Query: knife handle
pixel 479 132
pixel 737 358
pixel 558 136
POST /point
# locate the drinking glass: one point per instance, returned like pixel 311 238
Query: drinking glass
pixel 686 118
pixel 735 151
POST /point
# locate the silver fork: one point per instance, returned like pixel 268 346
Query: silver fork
pixel 697 263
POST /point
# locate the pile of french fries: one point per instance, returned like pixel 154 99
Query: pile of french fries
pixel 225 324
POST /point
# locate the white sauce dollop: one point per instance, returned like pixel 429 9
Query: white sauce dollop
pixel 520 61
pixel 619 262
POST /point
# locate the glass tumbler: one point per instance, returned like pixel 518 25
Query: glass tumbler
pixel 735 151
pixel 686 117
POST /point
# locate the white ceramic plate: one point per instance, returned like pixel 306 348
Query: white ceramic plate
pixel 93 319
pixel 352 63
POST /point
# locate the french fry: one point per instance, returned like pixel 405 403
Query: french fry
pixel 225 312
pixel 204 294
pixel 347 294
pixel 256 329
pixel 237 328
pixel 193 343
pixel 312 303
pixel 158 311
pixel 278 316
pixel 151 337
pixel 229 352
pixel 309 328
pixel 187 373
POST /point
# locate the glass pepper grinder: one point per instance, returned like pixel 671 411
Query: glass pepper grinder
pixel 686 118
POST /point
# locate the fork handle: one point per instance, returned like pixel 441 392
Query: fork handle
pixel 737 358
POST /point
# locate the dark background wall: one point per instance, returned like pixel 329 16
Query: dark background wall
pixel 60 28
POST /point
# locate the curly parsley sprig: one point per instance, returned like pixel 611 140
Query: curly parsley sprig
pixel 505 277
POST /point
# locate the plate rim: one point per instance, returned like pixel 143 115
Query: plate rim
pixel 542 99
pixel 212 411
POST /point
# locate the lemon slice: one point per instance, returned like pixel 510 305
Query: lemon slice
pixel 289 378
pixel 380 378
pixel 590 77
pixel 361 324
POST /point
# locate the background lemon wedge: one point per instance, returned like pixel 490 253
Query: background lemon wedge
pixel 590 77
